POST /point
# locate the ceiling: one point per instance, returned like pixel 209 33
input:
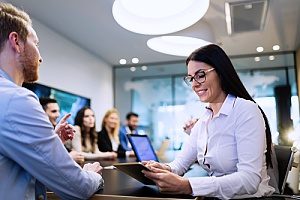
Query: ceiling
pixel 90 25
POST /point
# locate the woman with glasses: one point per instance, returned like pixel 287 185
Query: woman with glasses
pixel 231 141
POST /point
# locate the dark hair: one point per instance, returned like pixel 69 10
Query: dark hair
pixel 44 101
pixel 131 114
pixel 79 122
pixel 214 56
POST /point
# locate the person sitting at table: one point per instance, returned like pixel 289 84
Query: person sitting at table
pixel 132 120
pixel 85 138
pixel 32 155
pixel 231 141
pixel 51 108
pixel 108 137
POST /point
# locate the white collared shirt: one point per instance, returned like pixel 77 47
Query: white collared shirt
pixel 230 146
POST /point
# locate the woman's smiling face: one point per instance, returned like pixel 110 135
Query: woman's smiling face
pixel 210 91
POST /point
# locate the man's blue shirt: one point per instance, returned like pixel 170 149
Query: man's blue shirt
pixel 31 154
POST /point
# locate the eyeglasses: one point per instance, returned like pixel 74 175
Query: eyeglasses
pixel 199 77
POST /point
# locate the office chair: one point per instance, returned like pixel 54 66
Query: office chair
pixel 285 157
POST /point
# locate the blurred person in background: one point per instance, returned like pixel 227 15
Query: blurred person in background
pixel 132 121
pixel 108 137
pixel 85 138
pixel 51 108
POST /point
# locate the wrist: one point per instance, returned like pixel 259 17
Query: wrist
pixel 187 187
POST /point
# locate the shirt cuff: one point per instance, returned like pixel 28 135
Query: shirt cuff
pixel 101 184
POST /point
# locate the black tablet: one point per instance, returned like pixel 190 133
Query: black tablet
pixel 135 171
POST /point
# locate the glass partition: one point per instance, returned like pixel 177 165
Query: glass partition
pixel 165 103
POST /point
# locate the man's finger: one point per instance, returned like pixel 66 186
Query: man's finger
pixel 65 118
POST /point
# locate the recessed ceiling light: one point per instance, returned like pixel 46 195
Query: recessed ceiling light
pixel 259 49
pixel 228 18
pixel 248 6
pixel 271 57
pixel 154 17
pixel 257 59
pixel 122 61
pixel 135 60
pixel 144 67
pixel 276 47
pixel 132 69
pixel 176 45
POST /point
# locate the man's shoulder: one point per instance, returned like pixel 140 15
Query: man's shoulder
pixel 8 88
pixel 123 132
pixel 11 93
pixel 17 102
pixel 123 129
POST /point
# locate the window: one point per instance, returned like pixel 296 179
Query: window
pixel 165 103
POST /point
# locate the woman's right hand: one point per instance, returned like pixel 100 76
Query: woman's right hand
pixel 158 165
pixel 189 125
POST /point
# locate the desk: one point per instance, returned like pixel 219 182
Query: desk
pixel 119 186
pixel 118 183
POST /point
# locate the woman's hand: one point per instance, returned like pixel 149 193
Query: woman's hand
pixel 189 125
pixel 168 182
pixel 158 165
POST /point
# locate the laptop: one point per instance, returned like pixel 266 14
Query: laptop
pixel 142 147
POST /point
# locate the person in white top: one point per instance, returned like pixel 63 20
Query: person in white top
pixel 231 141
pixel 85 138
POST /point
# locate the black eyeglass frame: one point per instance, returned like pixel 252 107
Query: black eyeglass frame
pixel 189 79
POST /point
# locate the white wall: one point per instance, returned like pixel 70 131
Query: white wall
pixel 68 67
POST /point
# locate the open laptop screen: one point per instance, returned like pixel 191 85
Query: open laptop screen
pixel 142 147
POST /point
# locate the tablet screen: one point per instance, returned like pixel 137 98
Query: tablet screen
pixel 142 147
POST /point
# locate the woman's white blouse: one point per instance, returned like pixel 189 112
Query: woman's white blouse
pixel 231 148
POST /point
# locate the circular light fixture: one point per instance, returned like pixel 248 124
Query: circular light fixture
pixel 144 67
pixel 122 61
pixel 276 47
pixel 259 49
pixel 176 45
pixel 271 57
pixel 132 69
pixel 135 60
pixel 155 17
pixel 257 59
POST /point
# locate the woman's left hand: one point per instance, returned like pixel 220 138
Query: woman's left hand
pixel 169 182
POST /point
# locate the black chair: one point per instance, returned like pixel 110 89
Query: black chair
pixel 285 157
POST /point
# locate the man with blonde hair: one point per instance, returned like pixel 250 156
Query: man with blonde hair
pixel 32 156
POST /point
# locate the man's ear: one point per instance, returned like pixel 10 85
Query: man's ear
pixel 15 41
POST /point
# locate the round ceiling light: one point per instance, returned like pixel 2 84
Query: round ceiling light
pixel 155 17
pixel 176 45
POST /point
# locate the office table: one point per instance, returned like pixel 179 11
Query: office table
pixel 119 186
